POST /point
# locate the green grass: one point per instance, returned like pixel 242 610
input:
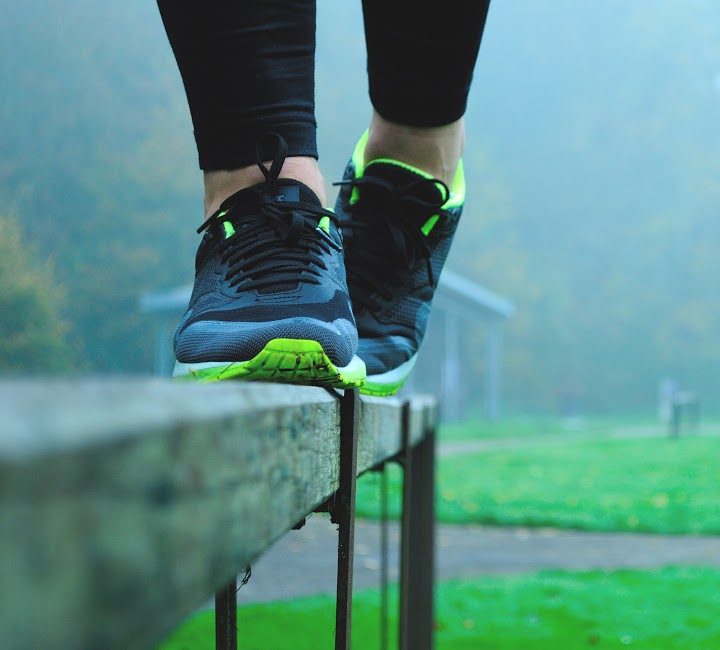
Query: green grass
pixel 546 425
pixel 654 485
pixel 510 427
pixel 673 608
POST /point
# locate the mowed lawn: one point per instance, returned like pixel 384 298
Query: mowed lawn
pixel 673 608
pixel 548 426
pixel 651 484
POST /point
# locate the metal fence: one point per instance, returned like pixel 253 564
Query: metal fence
pixel 126 503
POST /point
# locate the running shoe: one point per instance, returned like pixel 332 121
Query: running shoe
pixel 270 300
pixel 398 224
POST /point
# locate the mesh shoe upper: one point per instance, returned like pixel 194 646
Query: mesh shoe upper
pixel 398 226
pixel 270 265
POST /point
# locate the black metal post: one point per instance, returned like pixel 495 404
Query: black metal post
pixel 417 543
pixel 344 516
pixel 226 617
pixel 695 414
pixel 676 421
pixel 384 550
pixel 406 463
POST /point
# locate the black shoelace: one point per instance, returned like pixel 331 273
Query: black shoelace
pixel 277 244
pixel 384 237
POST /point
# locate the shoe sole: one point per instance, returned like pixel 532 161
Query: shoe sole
pixel 380 390
pixel 292 361
pixel 390 382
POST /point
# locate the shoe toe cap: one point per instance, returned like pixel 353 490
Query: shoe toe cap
pixel 205 341
pixel 385 353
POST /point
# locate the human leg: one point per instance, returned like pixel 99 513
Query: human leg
pixel 270 299
pixel 421 58
pixel 403 190
pixel 248 69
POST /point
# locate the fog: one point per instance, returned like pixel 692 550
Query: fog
pixel 592 161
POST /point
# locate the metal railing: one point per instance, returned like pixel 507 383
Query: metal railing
pixel 124 504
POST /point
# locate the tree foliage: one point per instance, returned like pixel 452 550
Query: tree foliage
pixel 32 332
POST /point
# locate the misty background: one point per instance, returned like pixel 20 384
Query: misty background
pixel 592 160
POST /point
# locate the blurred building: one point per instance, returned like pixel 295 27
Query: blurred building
pixel 461 359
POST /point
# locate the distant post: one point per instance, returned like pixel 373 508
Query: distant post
pixel 451 382
pixel 163 353
pixel 493 370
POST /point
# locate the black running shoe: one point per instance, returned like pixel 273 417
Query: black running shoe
pixel 398 223
pixel 270 300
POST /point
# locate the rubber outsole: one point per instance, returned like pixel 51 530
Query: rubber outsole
pixel 292 361
pixel 381 390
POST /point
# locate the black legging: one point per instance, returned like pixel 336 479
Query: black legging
pixel 249 67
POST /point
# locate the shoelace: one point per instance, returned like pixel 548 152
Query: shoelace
pixel 276 243
pixel 385 234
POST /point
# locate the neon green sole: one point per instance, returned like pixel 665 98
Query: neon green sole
pixel 381 390
pixel 293 361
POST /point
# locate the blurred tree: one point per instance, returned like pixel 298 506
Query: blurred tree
pixel 33 336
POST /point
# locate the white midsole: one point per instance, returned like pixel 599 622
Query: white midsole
pixel 396 374
pixel 182 369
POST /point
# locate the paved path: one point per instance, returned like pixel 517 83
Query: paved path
pixel 461 447
pixel 303 562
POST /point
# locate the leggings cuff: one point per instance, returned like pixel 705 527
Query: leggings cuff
pixel 423 105
pixel 232 147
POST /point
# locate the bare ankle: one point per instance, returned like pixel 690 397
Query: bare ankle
pixel 435 150
pixel 220 184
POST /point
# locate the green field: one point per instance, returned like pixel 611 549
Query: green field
pixel 674 608
pixel 547 426
pixel 544 426
pixel 653 485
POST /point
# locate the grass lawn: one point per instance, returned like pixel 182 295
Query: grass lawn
pixel 509 427
pixel 654 485
pixel 546 425
pixel 659 610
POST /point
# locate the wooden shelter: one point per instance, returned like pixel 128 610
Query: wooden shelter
pixel 460 361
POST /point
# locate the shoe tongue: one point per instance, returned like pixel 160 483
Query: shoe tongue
pixel 286 189
pixel 399 174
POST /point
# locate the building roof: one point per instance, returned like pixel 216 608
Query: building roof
pixel 455 293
